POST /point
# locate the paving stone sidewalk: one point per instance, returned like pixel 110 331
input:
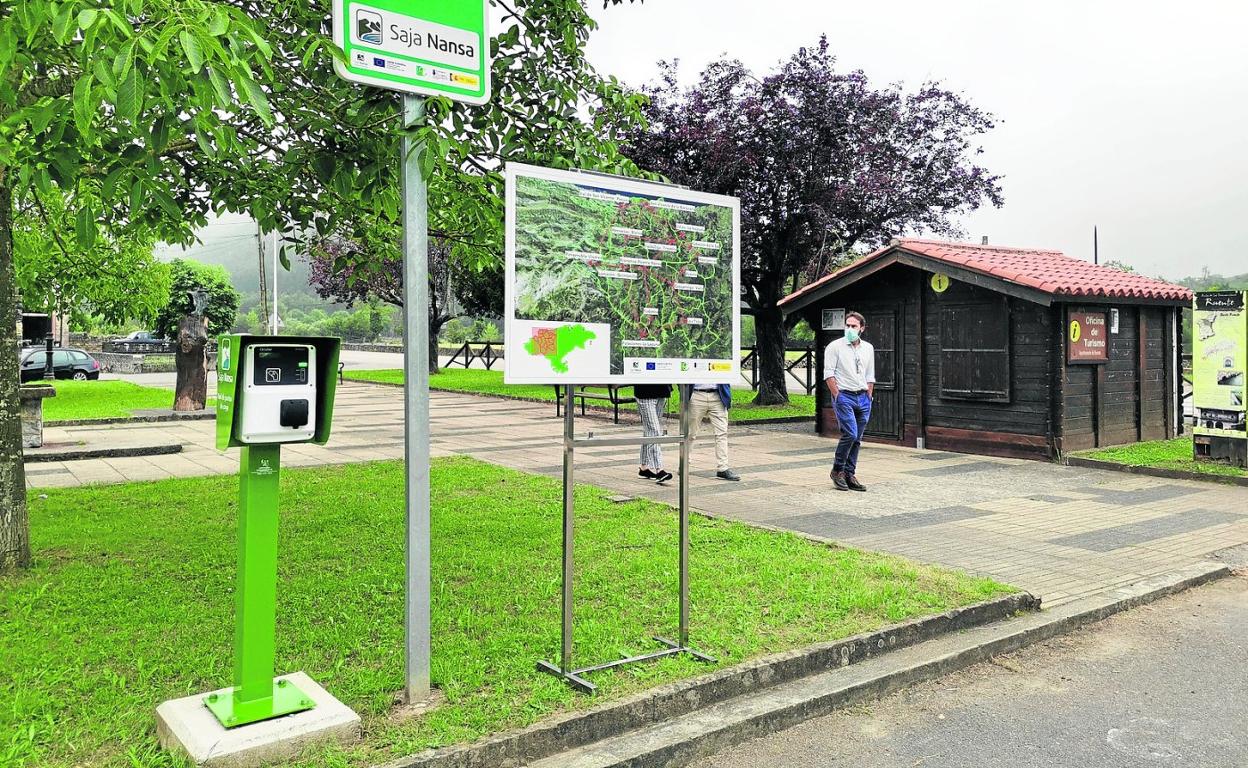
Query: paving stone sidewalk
pixel 1058 532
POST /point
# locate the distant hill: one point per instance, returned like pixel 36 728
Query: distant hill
pixel 1216 283
pixel 230 241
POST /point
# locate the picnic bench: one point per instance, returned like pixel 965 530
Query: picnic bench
pixel 612 395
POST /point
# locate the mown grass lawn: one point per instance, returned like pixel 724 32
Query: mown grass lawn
pixel 476 381
pixel 130 603
pixel 1164 454
pixel 102 399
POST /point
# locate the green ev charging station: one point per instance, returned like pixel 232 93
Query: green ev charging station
pixel 270 390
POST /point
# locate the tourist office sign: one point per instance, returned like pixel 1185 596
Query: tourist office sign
pixel 425 47
pixel 611 280
pixel 1087 339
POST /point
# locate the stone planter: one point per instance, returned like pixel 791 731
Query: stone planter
pixel 31 398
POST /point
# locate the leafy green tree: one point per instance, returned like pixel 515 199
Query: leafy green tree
pixel 113 281
pixel 152 113
pixel 111 109
pixel 221 309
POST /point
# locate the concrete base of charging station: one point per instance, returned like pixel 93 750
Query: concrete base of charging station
pixel 187 726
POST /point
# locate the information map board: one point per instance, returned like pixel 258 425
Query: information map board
pixel 616 281
pixel 1219 360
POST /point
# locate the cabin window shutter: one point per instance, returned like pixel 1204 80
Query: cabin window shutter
pixel 975 351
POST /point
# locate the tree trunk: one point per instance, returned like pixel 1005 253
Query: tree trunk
pixel 14 523
pixel 769 331
pixel 435 329
pixel 191 392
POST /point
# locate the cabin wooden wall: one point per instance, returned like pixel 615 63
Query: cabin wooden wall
pixel 1019 427
pixel 1124 400
pixel 1053 406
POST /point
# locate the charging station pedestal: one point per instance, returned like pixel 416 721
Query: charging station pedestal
pixel 270 390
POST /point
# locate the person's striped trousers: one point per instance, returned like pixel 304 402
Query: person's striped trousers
pixel 651 426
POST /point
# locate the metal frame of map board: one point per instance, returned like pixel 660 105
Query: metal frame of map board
pixel 606 183
pixel 565 670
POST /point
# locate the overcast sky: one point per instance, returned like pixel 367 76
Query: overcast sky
pixel 1131 116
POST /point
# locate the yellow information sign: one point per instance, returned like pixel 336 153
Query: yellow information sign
pixel 940 282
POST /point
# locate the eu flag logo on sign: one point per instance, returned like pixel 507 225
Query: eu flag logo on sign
pixel 649 366
pixel 379 62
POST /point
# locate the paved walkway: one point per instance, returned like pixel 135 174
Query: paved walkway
pixel 1059 532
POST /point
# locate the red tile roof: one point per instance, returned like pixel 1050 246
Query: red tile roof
pixel 1047 271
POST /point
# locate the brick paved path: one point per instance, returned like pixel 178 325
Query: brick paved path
pixel 1059 532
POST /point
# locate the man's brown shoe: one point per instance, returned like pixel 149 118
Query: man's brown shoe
pixel 838 479
pixel 853 484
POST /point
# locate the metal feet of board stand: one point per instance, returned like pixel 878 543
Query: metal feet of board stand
pixel 576 679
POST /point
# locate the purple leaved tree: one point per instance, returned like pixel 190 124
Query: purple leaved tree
pixel 341 272
pixel 824 164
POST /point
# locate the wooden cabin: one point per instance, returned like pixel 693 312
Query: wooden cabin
pixel 1004 351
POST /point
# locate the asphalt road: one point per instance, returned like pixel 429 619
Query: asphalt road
pixel 1162 685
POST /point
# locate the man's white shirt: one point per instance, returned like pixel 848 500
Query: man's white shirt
pixel 852 366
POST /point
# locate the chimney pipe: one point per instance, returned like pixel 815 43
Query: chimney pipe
pixel 984 240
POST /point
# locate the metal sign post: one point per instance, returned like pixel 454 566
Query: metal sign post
pixel 438 49
pixel 565 671
pixel 416 407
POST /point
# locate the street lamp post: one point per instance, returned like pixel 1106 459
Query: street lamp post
pixel 48 372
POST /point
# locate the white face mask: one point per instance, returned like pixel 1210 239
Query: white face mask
pixel 852 334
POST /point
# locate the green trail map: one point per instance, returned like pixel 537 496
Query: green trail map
pixel 657 270
pixel 555 344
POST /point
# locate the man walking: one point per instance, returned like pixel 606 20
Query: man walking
pixel 849 371
pixel 711 401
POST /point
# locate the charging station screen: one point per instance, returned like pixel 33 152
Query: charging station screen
pixel 277 366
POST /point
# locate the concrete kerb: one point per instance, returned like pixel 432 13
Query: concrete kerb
pixel 1170 474
pixel 700 734
pixel 204 415
pixel 573 730
pixel 45 454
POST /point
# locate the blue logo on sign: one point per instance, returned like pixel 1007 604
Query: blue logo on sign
pixel 649 366
pixel 379 62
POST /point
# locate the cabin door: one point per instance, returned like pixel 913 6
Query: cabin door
pixel 886 407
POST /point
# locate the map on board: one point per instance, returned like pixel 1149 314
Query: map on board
pixel 611 279
pixel 557 343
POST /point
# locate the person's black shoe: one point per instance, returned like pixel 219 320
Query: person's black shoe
pixel 838 479
pixel 646 473
pixel 727 474
pixel 854 485
pixel 662 476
